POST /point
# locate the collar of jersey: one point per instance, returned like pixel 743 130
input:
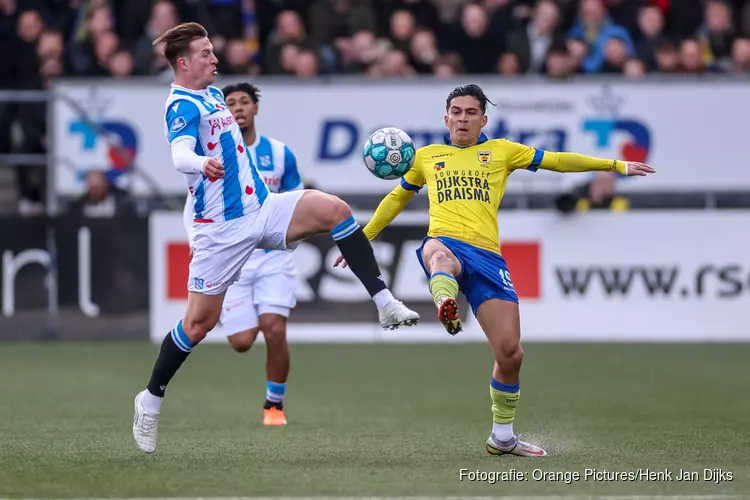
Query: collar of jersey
pixel 482 138
pixel 184 89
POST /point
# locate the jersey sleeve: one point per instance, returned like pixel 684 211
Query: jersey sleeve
pixel 521 156
pixel 414 179
pixel 183 118
pixel 290 180
pixel 387 210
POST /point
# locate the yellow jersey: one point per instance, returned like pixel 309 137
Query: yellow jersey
pixel 465 186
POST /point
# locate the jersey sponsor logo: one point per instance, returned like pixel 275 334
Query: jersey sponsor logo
pixel 484 156
pixel 272 182
pixel 218 124
pixel 178 124
pixel 463 185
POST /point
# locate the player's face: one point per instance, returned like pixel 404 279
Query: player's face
pixel 200 64
pixel 243 108
pixel 465 120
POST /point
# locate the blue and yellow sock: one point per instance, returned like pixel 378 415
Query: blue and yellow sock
pixel 275 394
pixel 504 402
pixel 442 286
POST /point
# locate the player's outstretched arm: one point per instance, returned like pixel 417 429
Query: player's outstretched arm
pixel 387 210
pixel 574 162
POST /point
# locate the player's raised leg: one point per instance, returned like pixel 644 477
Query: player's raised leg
pixel 317 213
pixel 500 322
pixel 443 268
pixel 202 314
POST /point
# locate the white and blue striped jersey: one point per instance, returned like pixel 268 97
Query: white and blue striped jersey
pixel 278 167
pixel 204 116
pixel 276 164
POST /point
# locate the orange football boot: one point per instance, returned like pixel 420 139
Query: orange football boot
pixel 274 417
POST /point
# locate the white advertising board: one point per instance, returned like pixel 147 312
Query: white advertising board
pixel 642 276
pixel 694 133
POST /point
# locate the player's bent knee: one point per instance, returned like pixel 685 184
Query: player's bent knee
pixel 337 210
pixel 197 329
pixel 243 341
pixel 440 258
pixel 510 353
pixel 274 331
pixel 441 261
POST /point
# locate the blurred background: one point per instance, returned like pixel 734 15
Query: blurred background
pixel 88 192
pixel 92 248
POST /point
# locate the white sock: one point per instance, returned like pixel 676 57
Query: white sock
pixel 383 298
pixel 502 432
pixel 151 403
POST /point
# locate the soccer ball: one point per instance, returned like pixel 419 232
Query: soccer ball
pixel 389 153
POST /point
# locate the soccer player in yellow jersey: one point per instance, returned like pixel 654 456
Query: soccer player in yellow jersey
pixel 465 179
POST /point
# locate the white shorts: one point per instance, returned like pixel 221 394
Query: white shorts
pixel 220 249
pixel 248 299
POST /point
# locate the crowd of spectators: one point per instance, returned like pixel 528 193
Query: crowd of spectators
pixel 50 38
pixel 45 39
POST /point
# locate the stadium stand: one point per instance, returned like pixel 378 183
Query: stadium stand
pixel 558 39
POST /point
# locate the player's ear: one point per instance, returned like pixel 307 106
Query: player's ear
pixel 484 120
pixel 445 119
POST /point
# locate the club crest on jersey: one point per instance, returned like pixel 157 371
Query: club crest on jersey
pixel 440 165
pixel 178 124
pixel 199 283
pixel 264 160
pixel 484 156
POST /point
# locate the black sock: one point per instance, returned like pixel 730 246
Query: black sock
pixel 271 404
pixel 174 350
pixel 357 250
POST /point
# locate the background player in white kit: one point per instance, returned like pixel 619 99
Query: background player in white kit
pixel 263 296
pixel 233 215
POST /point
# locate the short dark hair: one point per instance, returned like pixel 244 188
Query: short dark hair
pixel 471 90
pixel 248 88
pixel 177 40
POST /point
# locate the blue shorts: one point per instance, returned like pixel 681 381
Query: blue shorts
pixel 484 275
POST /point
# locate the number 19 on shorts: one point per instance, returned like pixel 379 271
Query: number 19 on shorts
pixel 505 278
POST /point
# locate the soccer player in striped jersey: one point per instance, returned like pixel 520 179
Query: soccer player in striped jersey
pixel 466 178
pixel 263 296
pixel 233 214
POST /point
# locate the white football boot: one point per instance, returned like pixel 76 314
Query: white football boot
pixel 396 314
pixel 513 446
pixel 145 426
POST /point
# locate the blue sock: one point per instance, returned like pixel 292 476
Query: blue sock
pixel 275 392
pixel 345 228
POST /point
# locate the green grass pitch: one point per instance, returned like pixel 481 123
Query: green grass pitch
pixel 371 420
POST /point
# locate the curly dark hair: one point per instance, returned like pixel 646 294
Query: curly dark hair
pixel 248 88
